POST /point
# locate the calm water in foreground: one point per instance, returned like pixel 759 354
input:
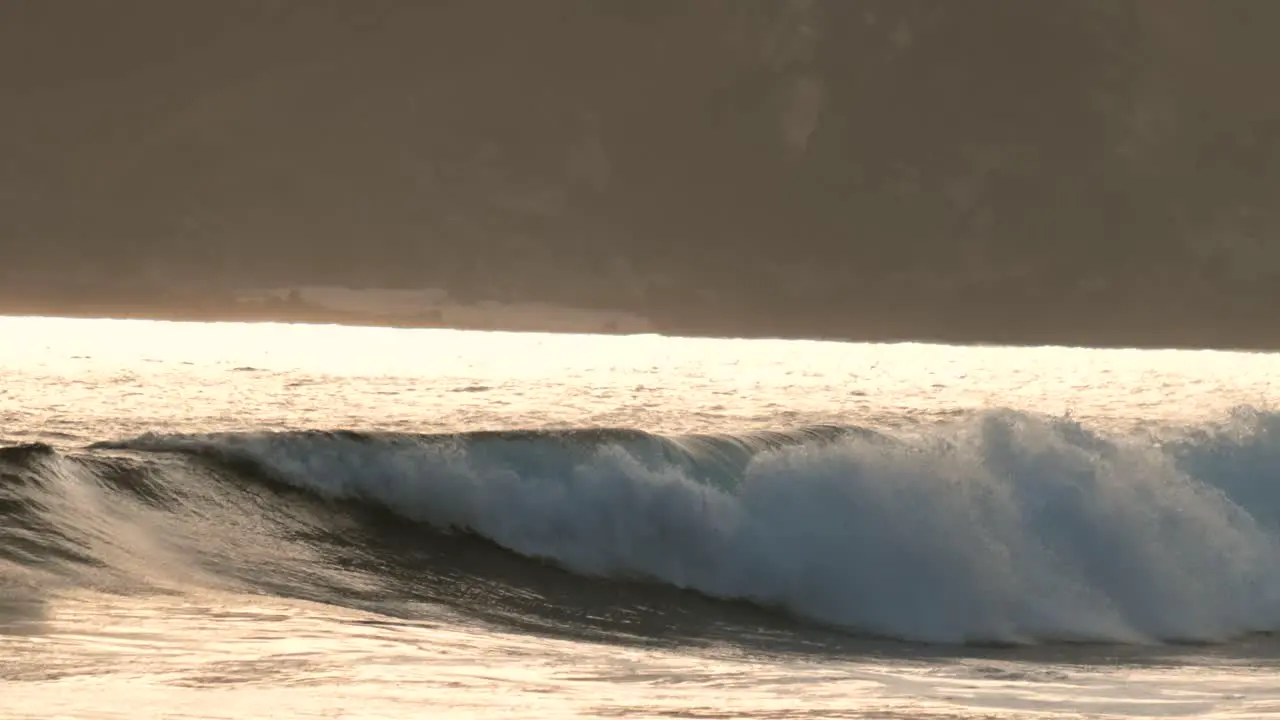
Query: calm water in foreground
pixel 204 520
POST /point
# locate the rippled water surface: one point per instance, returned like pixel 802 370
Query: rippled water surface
pixel 728 528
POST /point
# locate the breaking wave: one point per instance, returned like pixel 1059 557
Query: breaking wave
pixel 997 527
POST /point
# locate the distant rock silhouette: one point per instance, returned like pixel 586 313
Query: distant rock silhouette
pixel 1100 171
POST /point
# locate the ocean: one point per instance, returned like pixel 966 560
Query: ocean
pixel 250 520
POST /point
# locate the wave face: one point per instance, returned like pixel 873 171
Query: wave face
pixel 998 527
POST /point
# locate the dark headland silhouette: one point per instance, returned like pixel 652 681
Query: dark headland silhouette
pixel 1089 172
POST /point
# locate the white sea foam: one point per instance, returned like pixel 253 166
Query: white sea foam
pixel 1000 526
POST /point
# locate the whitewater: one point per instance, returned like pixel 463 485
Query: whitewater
pixel 231 520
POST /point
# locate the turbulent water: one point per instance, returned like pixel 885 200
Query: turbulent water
pixel 233 520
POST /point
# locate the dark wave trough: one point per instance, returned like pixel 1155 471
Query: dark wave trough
pixel 999 528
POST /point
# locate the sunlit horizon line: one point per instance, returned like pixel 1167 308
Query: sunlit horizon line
pixel 696 338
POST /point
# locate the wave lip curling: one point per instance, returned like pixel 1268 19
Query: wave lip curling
pixel 1001 527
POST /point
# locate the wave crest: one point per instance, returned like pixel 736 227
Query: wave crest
pixel 1001 527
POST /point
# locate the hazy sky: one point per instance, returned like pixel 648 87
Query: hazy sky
pixel 1102 169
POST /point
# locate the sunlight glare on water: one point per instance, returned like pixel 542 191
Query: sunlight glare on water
pixel 135 376
pixel 223 658
pixel 244 603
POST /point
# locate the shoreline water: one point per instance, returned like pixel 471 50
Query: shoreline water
pixel 313 548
